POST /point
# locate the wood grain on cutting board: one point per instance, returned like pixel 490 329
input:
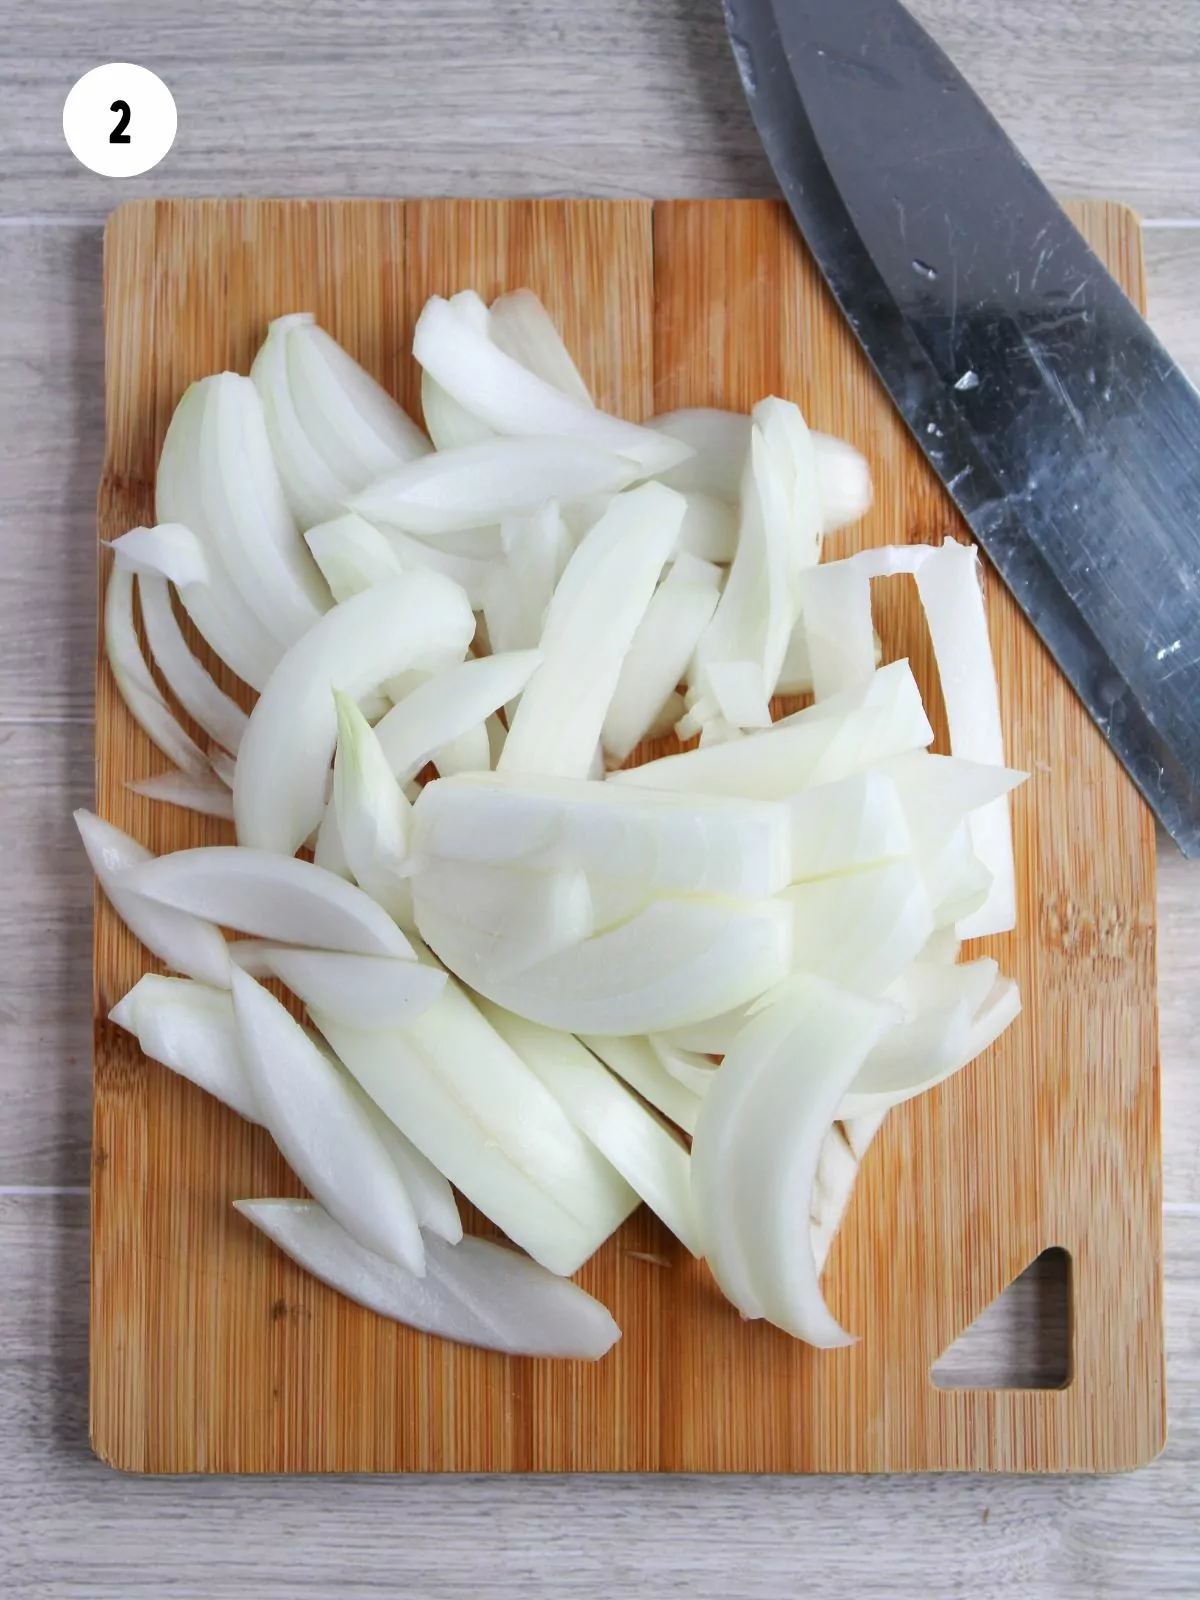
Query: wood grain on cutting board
pixel 211 1352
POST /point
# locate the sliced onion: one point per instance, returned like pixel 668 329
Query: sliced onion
pixel 373 813
pixel 363 991
pixel 688 1067
pixel 636 1063
pixel 355 424
pixel 649 1156
pixel 328 850
pixel 448 424
pixel 720 445
pixel 323 1130
pixel 843 481
pixel 207 796
pixel 596 609
pixel 854 1134
pixel 674 963
pixel 709 529
pixel 352 555
pixel 855 822
pixel 660 652
pixel 795 676
pixel 275 897
pixel 757 611
pixel 513 400
pixel 246 514
pixel 470 751
pixel 519 588
pixel 758 1145
pixel 740 695
pixel 189 1027
pixel 216 606
pixel 836 1171
pixel 520 325
pixel 950 586
pixel 840 638
pixel 482 483
pixel 830 740
pixel 475 1292
pixel 432 1197
pixel 492 922
pixel 134 681
pixel 168 550
pixel 863 929
pixel 683 843
pixel 934 1044
pixel 956 881
pixel 450 705
pixel 279 793
pixel 314 493
pixel 465 1099
pixel 190 682
pixel 186 943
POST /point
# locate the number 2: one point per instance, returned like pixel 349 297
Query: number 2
pixel 118 135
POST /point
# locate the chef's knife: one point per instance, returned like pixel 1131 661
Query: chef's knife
pixel 1065 433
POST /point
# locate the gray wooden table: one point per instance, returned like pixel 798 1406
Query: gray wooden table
pixel 490 97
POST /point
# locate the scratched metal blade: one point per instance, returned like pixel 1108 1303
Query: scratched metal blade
pixel 1064 431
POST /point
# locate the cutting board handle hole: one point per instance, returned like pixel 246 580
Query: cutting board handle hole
pixel 1023 1339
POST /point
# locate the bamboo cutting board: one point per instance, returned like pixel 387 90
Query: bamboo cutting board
pixel 212 1353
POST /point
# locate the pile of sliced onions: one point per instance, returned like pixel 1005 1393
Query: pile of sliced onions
pixel 561 984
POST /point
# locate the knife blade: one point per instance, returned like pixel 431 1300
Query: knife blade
pixel 1064 432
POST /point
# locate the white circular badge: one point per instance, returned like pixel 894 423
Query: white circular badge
pixel 120 120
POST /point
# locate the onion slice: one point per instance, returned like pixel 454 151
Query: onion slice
pixel 860 930
pixel 855 822
pixel 659 652
pixel 373 813
pixel 681 843
pixel 649 1156
pixel 600 600
pixel 479 484
pixel 326 1135
pixel 758 1145
pixel 474 1292
pixel 279 792
pixel 355 424
pixel 520 325
pixel 191 683
pixel 674 963
pixel 314 493
pixel 168 550
pixel 833 739
pixel 449 425
pixel 275 897
pixel 247 518
pixel 493 922
pixel 950 585
pixel 465 1099
pixel 207 796
pixel 134 682
pixel 362 991
pixel 187 943
pixel 222 615
pixel 636 1063
pixel 450 705
pixel 513 400
pixel 779 535
pixel 190 1028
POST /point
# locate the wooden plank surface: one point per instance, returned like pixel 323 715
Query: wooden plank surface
pixel 1050 1140
pixel 68 1526
pixel 74 1530
pixel 624 98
